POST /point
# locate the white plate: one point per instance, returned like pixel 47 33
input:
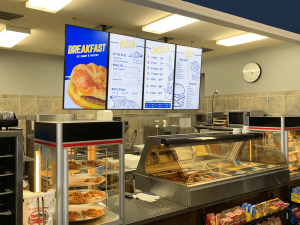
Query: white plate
pixel 90 199
pixel 79 208
pixel 77 180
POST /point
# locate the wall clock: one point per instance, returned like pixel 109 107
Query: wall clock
pixel 251 72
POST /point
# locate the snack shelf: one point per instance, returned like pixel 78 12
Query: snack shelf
pixel 267 216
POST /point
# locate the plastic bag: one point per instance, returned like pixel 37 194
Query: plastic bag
pixel 33 206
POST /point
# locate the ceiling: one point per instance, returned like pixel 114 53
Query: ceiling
pixel 47 29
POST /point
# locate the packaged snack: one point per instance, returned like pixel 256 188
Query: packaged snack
pixel 210 219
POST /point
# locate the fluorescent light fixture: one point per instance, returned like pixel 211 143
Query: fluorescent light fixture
pixel 168 23
pixel 241 39
pixel 11 36
pixel 47 5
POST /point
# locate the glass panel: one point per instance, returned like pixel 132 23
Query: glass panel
pixel 190 165
pixel 93 182
pixel 293 152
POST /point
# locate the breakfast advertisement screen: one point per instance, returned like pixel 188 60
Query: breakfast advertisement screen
pixel 85 75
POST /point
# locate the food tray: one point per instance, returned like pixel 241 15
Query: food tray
pixel 251 169
pixel 90 199
pixel 235 173
pixel 79 208
pixel 266 166
pixel 77 180
pixel 215 175
pixel 84 167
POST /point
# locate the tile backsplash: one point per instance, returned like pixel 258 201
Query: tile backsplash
pixel 272 103
pixel 26 106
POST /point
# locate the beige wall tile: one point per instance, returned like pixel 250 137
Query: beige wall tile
pixel 208 97
pixel 146 111
pixel 57 97
pixel 260 103
pixel 0 103
pixel 209 105
pixel 173 121
pixel 220 96
pixel 291 92
pixel 135 123
pixel 291 104
pixel 57 107
pixel 11 105
pixel 220 105
pixel 28 96
pixel 75 111
pixel 233 96
pixel 263 94
pixel 275 104
pixel 145 122
pixel 246 103
pixel 87 111
pixel 233 104
pixel 11 96
pixel 121 111
pixel 28 106
pixel 275 93
pixel 44 107
pixel 248 95
pixel 131 137
pixel 44 97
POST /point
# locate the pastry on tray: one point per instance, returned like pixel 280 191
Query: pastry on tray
pixel 78 200
pixel 92 212
pixel 73 215
pixel 75 194
pixel 94 180
pixel 92 163
pixel 95 194
pixel 74 165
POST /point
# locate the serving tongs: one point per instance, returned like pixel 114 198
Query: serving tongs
pixel 38 202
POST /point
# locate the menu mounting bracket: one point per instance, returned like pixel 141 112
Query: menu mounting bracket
pixel 103 27
pixel 165 39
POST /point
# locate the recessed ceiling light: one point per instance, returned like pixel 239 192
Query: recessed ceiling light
pixel 241 39
pixel 168 23
pixel 10 36
pixel 47 5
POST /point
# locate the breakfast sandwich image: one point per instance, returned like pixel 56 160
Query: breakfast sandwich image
pixel 87 87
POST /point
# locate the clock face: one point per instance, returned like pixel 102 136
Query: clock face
pixel 251 72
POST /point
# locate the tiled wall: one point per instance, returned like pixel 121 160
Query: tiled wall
pixel 272 103
pixel 27 105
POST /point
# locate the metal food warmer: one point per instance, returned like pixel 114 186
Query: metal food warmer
pixel 195 169
pixel 72 158
pixel 282 133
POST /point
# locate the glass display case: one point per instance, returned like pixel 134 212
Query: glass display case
pixel 282 133
pixel 195 169
pixel 73 158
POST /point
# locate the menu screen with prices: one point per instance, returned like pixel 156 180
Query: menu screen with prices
pixel 187 77
pixel 159 75
pixel 126 70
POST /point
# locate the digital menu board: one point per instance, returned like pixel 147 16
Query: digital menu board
pixel 85 77
pixel 187 77
pixel 126 71
pixel 159 75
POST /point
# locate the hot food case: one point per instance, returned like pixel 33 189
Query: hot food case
pixel 195 169
pixel 73 159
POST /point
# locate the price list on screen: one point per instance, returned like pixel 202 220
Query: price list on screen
pixel 159 75
pixel 187 77
pixel 126 67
